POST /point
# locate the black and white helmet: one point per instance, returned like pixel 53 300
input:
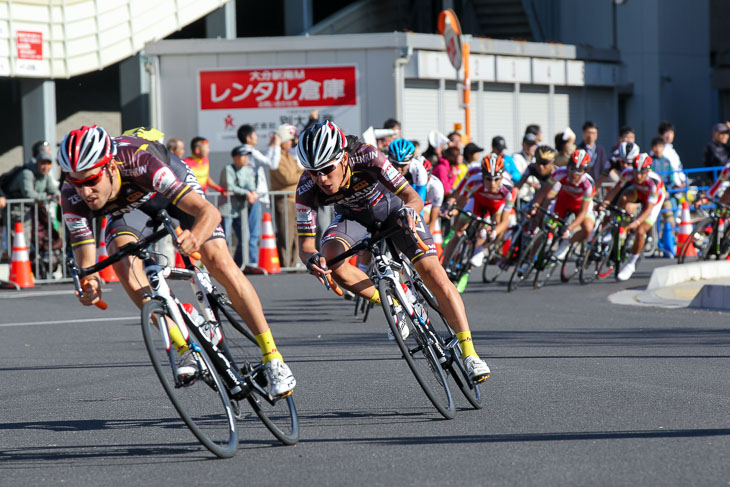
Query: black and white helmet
pixel 628 151
pixel 86 148
pixel 321 145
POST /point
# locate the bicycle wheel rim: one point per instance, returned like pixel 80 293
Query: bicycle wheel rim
pixel 491 270
pixel 699 240
pixel 420 359
pixel 279 415
pixel 203 405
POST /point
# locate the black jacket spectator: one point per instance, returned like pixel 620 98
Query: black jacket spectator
pixel 717 150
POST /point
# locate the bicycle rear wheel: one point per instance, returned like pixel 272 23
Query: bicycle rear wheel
pixel 445 335
pixel 203 404
pixel 418 354
pixel 279 415
pixel 573 261
pixel 491 269
pixel 698 245
pixel 596 257
pixel 525 265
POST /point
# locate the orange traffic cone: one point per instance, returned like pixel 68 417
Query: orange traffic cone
pixel 268 254
pixel 20 271
pixel 107 274
pixel 438 238
pixel 685 231
pixel 179 264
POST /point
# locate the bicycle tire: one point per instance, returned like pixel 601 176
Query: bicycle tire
pixel 419 356
pixel 624 254
pixel 516 279
pixel 573 261
pixel 490 268
pixel 700 240
pixel 279 417
pixel 596 257
pixel 453 365
pixel 453 270
pixel 203 405
pixel 548 267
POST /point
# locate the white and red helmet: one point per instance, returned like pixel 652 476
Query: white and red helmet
pixel 86 148
pixel 642 162
pixel 321 145
pixel 580 160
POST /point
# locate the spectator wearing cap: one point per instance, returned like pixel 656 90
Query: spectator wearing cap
pixel 34 180
pixel 239 179
pixel 565 145
pixel 526 156
pixel 285 178
pixel 175 145
pixel 535 130
pixel 600 165
pixel 625 134
pixel 499 147
pixel 717 150
pixel 472 154
pixel 200 165
pixel 262 163
pixel 437 142
pixel 666 132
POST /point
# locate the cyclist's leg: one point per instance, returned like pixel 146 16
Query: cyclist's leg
pixel 339 237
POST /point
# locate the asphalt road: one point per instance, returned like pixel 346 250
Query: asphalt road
pixel 583 393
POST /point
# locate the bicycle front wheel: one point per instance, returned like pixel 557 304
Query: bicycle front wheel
pixel 418 354
pixel 699 243
pixel 202 403
pixel 525 265
pixel 279 414
pixel 573 261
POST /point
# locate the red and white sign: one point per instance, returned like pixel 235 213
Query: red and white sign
pixel 271 96
pixel 448 25
pixel 30 45
pixel 278 87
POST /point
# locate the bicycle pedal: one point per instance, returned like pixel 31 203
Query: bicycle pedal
pixel 481 379
pixel 286 394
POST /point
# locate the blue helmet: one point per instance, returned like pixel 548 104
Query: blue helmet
pixel 400 151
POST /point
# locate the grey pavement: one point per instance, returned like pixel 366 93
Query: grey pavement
pixel 584 392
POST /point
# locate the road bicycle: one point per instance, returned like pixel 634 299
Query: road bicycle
pixel 710 237
pixel 608 247
pixel 459 263
pixel 497 260
pixel 226 352
pixel 537 255
pixel 431 350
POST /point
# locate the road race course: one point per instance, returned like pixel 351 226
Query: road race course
pixel 583 392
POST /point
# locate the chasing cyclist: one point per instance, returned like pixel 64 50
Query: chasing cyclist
pixel 639 185
pixel 132 178
pixel 367 190
pixel 573 189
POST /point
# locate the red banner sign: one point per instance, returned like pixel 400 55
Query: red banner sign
pixel 278 87
pixel 30 45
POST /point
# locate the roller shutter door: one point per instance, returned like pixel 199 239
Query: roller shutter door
pixel 420 110
pixel 497 115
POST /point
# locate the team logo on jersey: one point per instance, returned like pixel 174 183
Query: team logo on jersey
pixel 303 188
pixel 164 181
pixel 76 224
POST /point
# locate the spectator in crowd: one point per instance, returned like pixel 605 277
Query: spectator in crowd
pixel 523 159
pixel 472 153
pixel 176 146
pixel 455 140
pixel 600 165
pixel 535 130
pixel 239 179
pixel 34 180
pixel 662 166
pixel 417 152
pixel 666 132
pixel 499 147
pixel 565 145
pixel 437 142
pixel 625 134
pixel 200 165
pixel 261 164
pixel 285 178
pixel 448 168
pixel 717 150
pixel 384 142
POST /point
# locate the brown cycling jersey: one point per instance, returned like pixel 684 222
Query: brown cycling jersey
pixel 368 197
pixel 151 179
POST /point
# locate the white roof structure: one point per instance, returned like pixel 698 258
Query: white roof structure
pixel 65 38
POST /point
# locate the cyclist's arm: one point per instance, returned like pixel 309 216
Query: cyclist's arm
pixel 542 194
pixel 207 218
pixel 522 180
pixel 613 192
pixel 409 196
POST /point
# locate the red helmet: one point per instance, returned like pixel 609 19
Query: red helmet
pixel 642 162
pixel 580 160
pixel 86 148
pixel 493 165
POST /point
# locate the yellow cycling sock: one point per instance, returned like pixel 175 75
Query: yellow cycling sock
pixel 177 339
pixel 467 345
pixel 375 297
pixel 268 347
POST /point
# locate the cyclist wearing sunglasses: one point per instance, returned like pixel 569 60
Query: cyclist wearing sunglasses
pixel 538 173
pixel 367 191
pixel 639 185
pixel 131 178
pixel 487 193
pixel 573 189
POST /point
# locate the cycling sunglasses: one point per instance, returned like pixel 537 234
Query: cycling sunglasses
pixel 326 170
pixel 88 182
pixel 490 178
pixel 576 170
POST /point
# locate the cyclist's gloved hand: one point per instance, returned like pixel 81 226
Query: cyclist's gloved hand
pixel 92 290
pixel 410 214
pixel 492 235
pixel 317 266
pixel 566 234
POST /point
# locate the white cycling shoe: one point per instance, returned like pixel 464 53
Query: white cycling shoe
pixel 402 325
pixel 280 378
pixel 626 273
pixel 476 368
pixel 187 368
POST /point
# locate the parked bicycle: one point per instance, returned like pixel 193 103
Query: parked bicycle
pixel 225 351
